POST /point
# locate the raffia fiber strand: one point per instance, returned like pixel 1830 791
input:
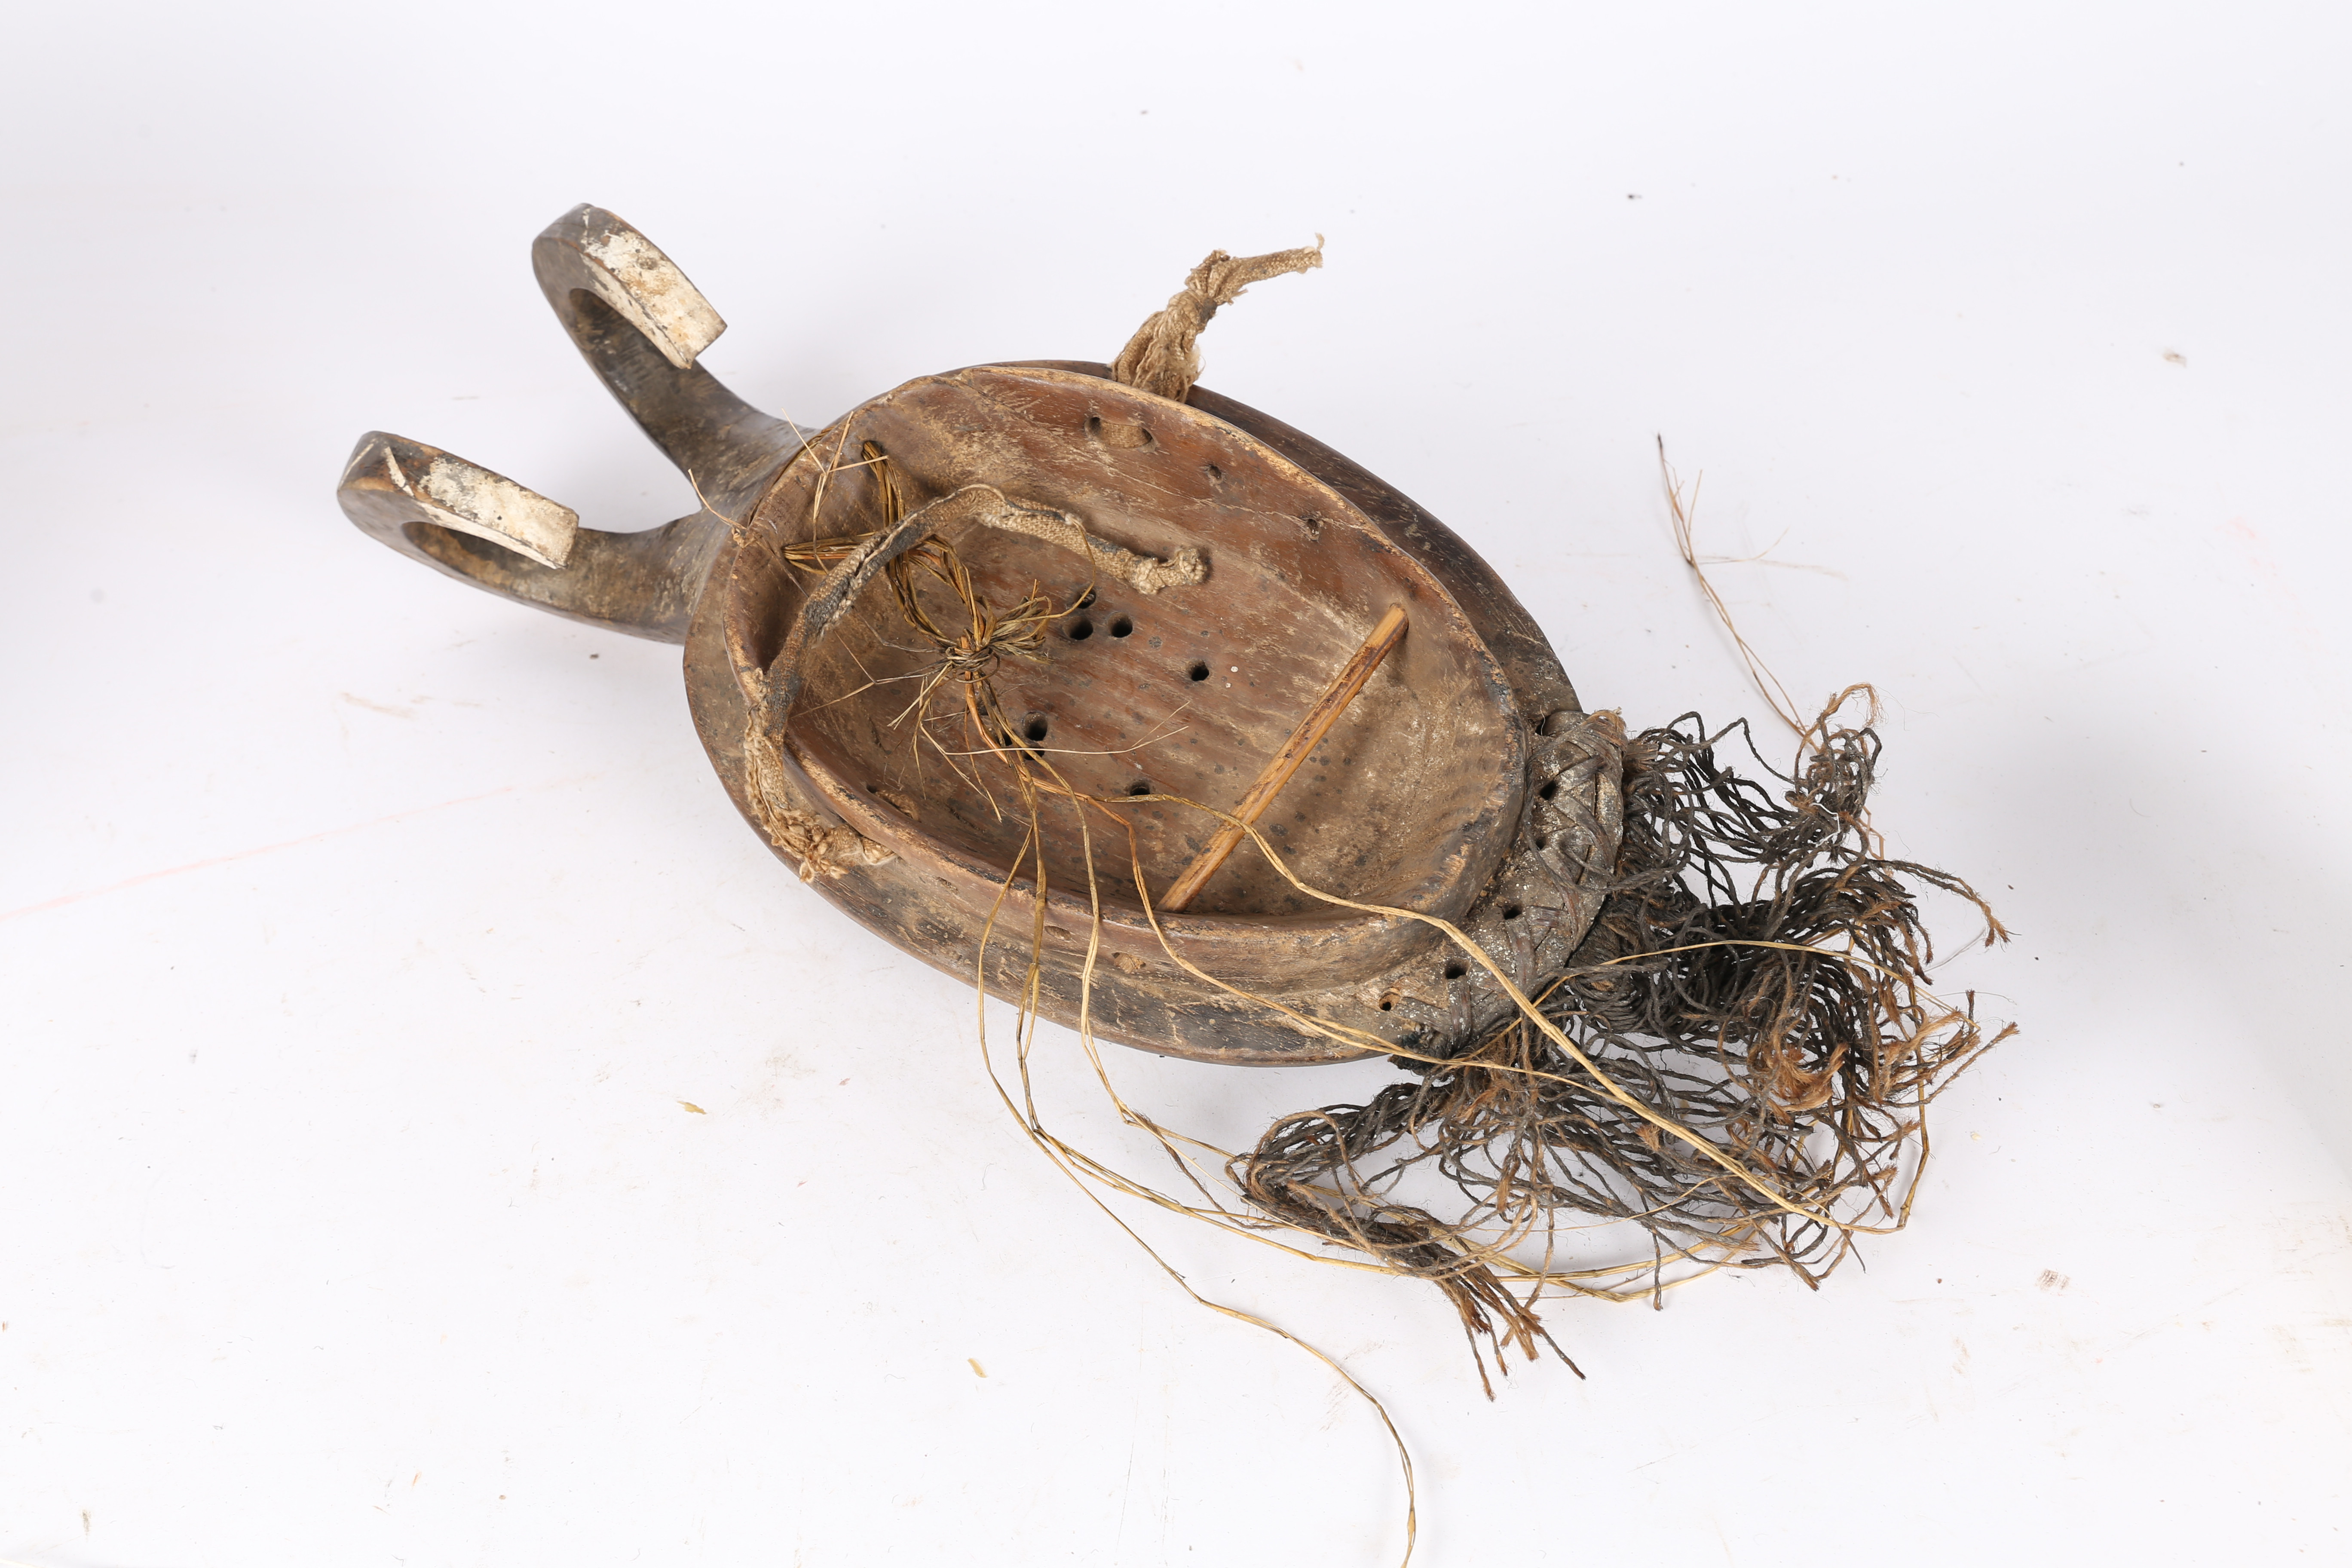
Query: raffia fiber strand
pixel 1757 1037
pixel 1757 976
pixel 1738 1059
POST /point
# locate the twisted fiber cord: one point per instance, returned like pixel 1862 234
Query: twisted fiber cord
pixel 1757 978
pixel 1162 357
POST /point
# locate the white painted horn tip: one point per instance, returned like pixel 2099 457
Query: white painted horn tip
pixel 448 491
pixel 646 288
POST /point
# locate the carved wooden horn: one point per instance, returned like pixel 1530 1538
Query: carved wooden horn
pixel 640 325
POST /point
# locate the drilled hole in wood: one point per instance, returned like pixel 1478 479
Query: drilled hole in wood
pixel 1084 600
pixel 1081 629
pixel 1199 672
pixel 1388 1004
pixel 1216 475
pixel 1457 970
pixel 1313 526
pixel 1036 730
pixel 1512 912
pixel 1122 628
pixel 1141 786
pixel 1550 788
pixel 1117 432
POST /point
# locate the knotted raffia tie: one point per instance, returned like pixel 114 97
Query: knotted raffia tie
pixel 1161 358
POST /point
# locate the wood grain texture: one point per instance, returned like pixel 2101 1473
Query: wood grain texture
pixel 1451 771
pixel 1327 706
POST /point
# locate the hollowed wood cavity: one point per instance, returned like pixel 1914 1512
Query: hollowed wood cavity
pixel 1402 803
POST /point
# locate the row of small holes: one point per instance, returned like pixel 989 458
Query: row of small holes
pixel 1543 791
pixel 1456 969
pixel 1083 629
pixel 1080 630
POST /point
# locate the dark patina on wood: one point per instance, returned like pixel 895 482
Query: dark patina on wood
pixel 1464 781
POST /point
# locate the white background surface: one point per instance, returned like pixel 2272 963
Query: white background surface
pixel 360 934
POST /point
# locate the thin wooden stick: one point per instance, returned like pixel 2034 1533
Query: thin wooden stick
pixel 1320 717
